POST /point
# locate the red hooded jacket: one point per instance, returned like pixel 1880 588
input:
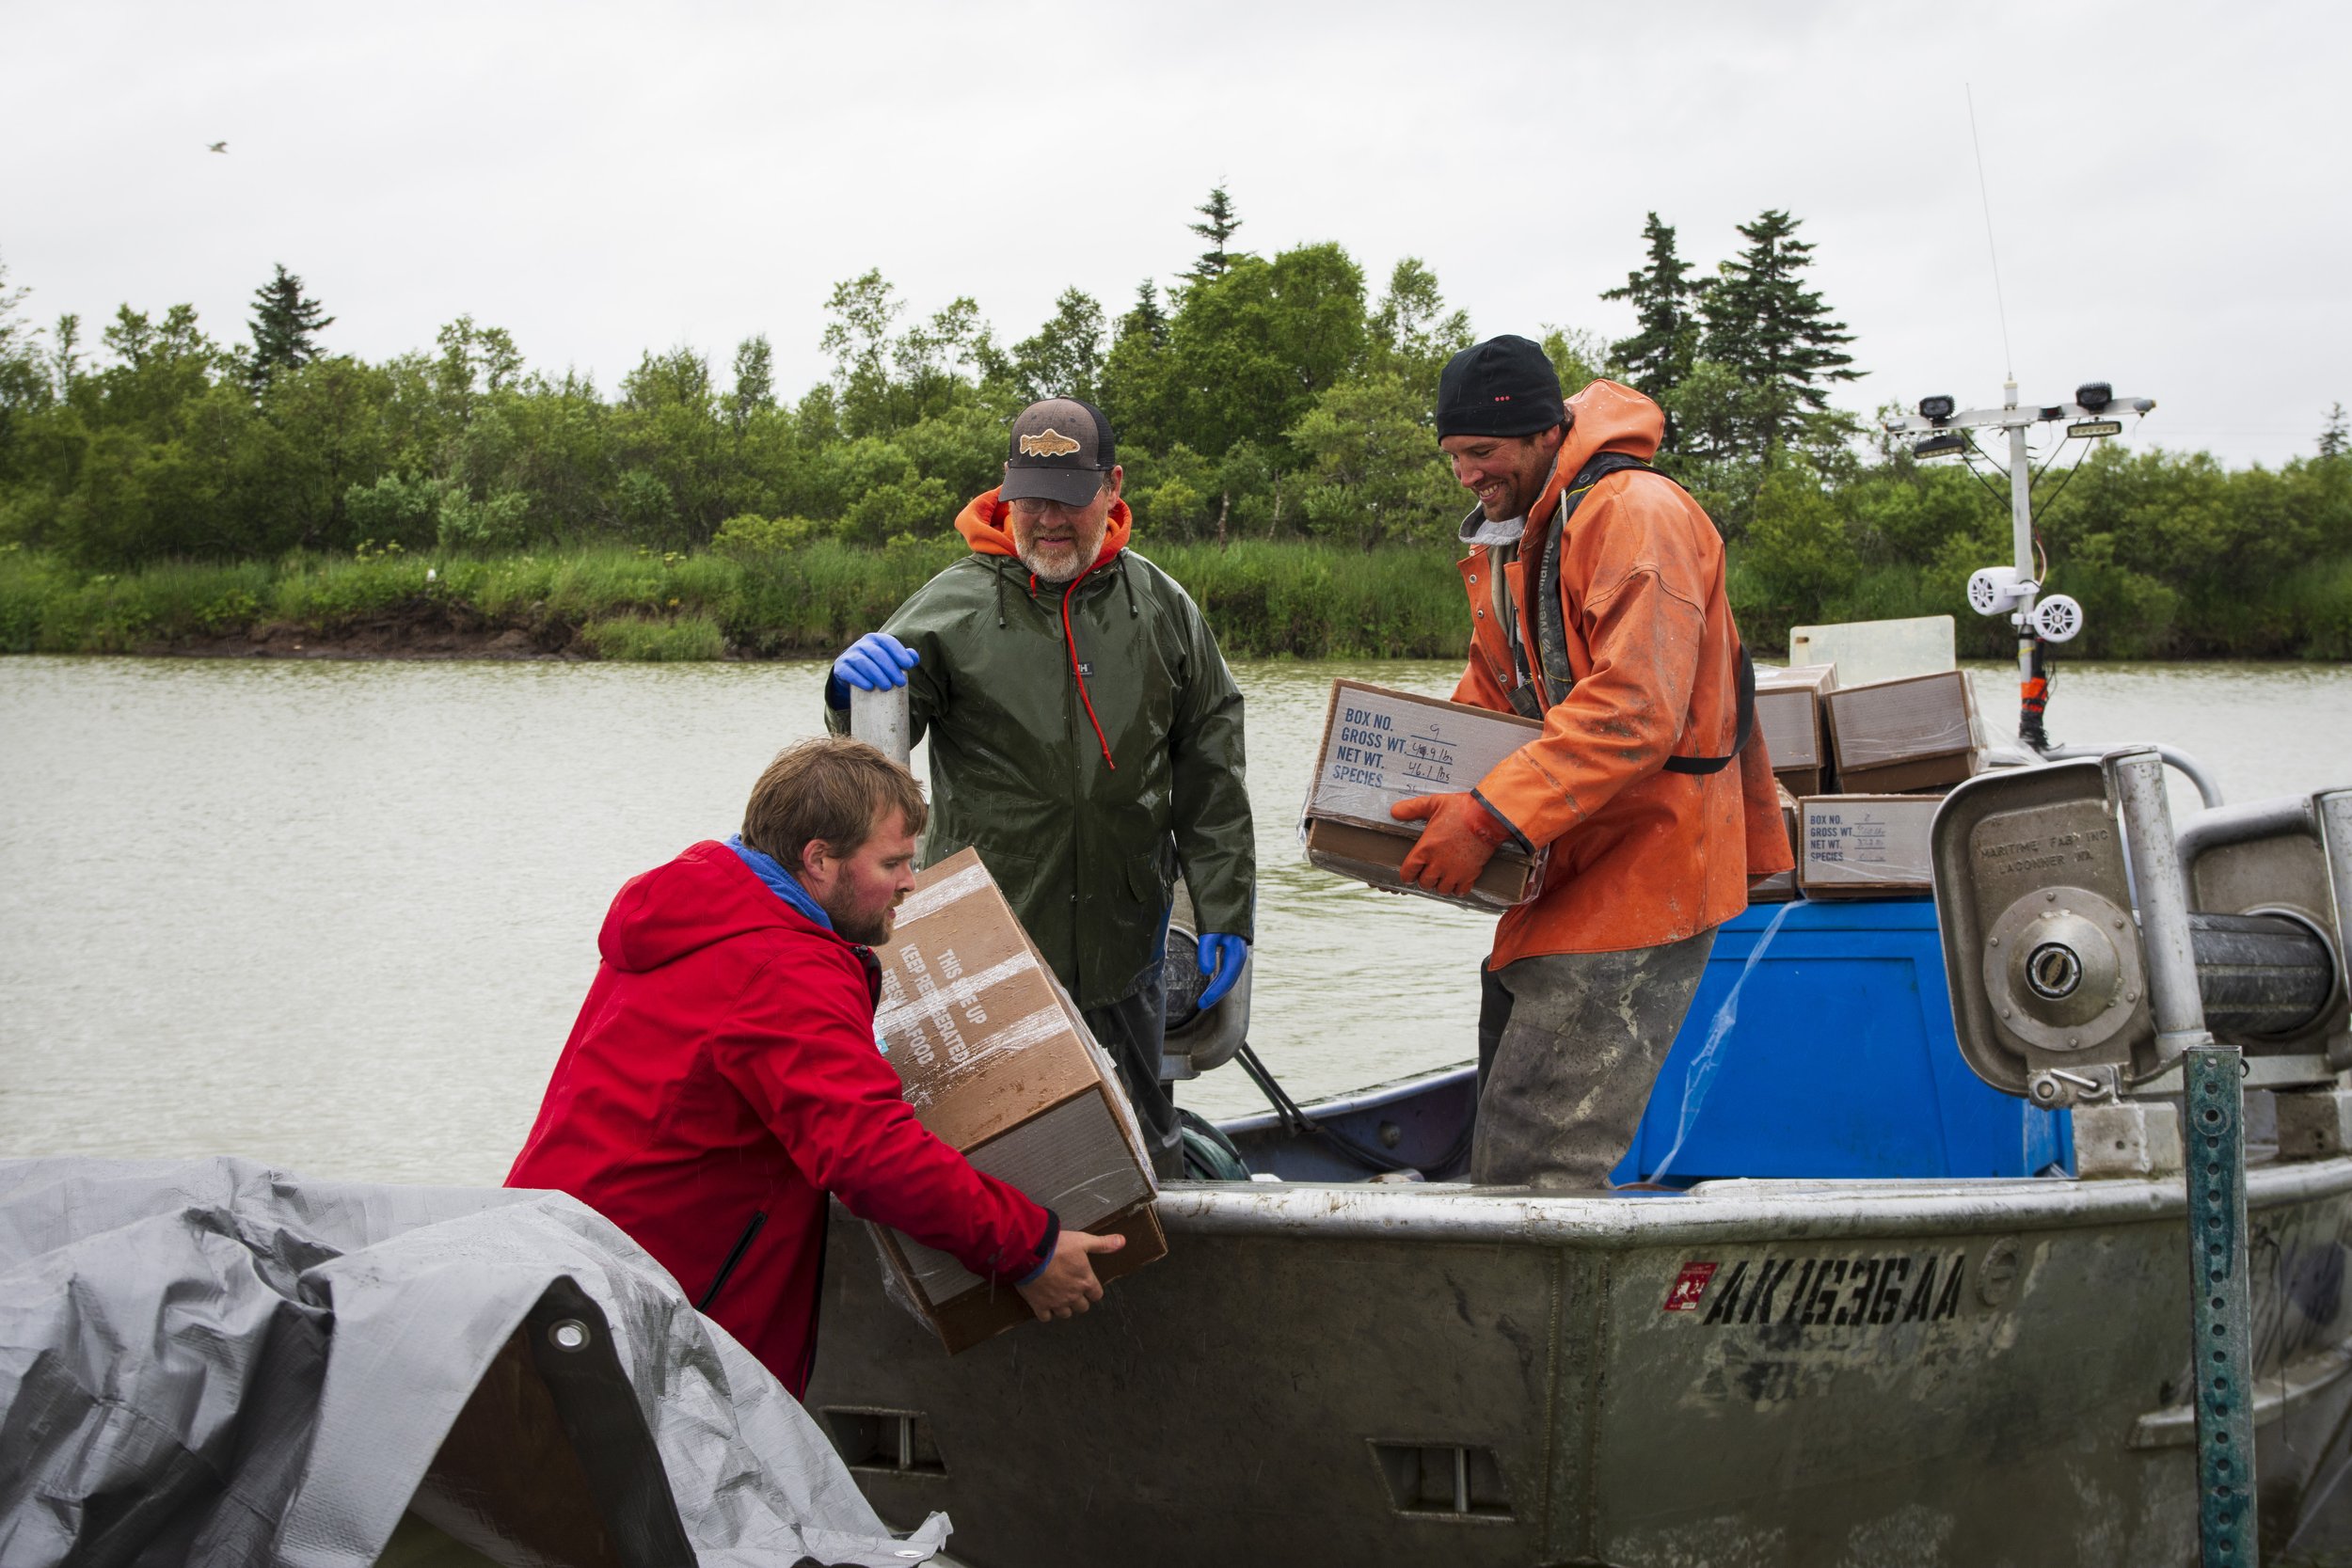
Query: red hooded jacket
pixel 722 1079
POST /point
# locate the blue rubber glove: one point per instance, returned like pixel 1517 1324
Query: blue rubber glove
pixel 875 662
pixel 1221 956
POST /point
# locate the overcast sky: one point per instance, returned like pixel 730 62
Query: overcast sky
pixel 2168 183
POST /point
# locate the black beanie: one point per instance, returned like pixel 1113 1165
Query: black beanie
pixel 1502 386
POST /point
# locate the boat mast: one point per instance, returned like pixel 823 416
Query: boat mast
pixel 2033 684
pixel 1941 430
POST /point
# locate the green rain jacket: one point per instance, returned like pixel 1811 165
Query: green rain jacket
pixel 1088 741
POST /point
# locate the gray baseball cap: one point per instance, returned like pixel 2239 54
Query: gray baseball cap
pixel 1060 451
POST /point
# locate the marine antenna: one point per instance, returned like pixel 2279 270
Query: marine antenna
pixel 1942 430
pixel 1984 196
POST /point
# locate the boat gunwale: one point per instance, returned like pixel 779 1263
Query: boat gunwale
pixel 1711 1212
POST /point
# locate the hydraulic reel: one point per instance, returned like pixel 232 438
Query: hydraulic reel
pixel 2070 914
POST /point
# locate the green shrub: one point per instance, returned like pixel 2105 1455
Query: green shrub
pixel 2320 595
pixel 406 509
pixel 332 594
pixel 688 638
pixel 751 536
pixel 499 521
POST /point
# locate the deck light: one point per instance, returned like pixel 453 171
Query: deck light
pixel 1950 444
pixel 1936 408
pixel 2093 429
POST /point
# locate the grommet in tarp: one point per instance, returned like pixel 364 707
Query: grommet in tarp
pixel 568 1334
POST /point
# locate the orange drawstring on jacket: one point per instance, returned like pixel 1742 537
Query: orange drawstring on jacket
pixel 1070 641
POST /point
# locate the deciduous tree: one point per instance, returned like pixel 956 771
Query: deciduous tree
pixel 1063 359
pixel 755 380
pixel 1374 474
pixel 1412 333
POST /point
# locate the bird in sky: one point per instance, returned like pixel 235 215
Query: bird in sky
pixel 219 147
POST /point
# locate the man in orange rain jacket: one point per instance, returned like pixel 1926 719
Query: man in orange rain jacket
pixel 1596 605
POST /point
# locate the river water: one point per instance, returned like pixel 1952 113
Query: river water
pixel 339 916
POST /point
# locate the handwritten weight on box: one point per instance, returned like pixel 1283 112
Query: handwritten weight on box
pixel 1380 746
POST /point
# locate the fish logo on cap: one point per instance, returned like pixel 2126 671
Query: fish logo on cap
pixel 1048 442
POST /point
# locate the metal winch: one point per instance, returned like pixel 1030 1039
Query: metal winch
pixel 2040 882
pixel 2093 957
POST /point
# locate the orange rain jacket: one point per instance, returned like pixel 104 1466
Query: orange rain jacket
pixel 1639 857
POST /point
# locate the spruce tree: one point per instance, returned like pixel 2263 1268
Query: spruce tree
pixel 1218 227
pixel 2335 438
pixel 1147 320
pixel 1664 300
pixel 286 326
pixel 1775 333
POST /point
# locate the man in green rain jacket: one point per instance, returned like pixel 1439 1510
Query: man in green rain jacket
pixel 1085 737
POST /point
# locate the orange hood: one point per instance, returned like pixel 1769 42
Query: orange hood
pixel 1610 417
pixel 982 523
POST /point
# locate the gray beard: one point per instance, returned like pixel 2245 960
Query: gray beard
pixel 1062 575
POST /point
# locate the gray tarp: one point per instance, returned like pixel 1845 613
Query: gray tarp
pixel 213 1361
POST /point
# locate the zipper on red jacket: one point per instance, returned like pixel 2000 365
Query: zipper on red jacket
pixel 817 1312
pixel 742 1246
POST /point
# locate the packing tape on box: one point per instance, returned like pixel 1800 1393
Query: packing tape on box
pixel 934 998
pixel 1897 721
pixel 930 900
pixel 1871 750
pixel 1833 873
pixel 962 1054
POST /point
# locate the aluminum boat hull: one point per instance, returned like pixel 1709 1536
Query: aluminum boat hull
pixel 1803 1373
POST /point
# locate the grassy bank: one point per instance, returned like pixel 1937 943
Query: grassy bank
pixel 1264 599
pixel 620 603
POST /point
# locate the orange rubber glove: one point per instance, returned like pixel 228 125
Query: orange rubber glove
pixel 1462 836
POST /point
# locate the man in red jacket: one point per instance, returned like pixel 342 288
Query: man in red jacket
pixel 722 1076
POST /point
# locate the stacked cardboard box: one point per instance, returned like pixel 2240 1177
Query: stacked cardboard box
pixel 1788 709
pixel 1781 886
pixel 1382 746
pixel 999 1065
pixel 1865 846
pixel 1895 736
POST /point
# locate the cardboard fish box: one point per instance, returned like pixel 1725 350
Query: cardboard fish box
pixel 1788 711
pixel 1382 746
pixel 1802 782
pixel 998 1063
pixel 1781 886
pixel 1916 733
pixel 1865 846
pixel 1920 776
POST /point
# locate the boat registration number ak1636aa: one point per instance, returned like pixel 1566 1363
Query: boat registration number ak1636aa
pixel 1896 1288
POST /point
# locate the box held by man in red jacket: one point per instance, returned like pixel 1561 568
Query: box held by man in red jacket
pixel 998 1064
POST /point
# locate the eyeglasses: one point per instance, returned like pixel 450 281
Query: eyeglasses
pixel 1038 506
